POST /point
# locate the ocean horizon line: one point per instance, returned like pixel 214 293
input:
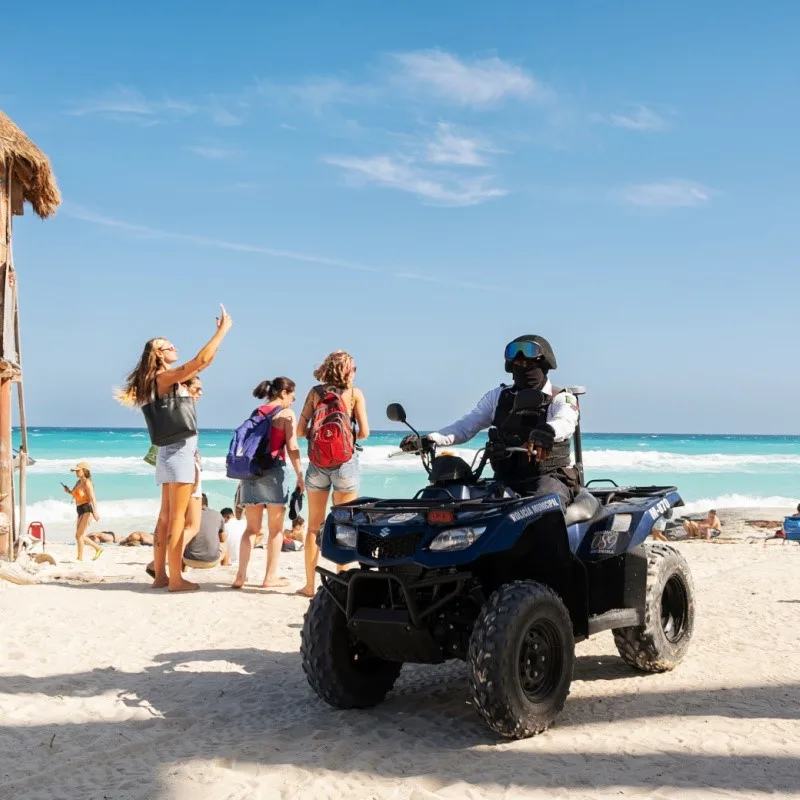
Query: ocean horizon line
pixel 400 430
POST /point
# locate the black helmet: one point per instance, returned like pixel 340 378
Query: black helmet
pixel 530 346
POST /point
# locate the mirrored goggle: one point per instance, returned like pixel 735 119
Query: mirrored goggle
pixel 524 349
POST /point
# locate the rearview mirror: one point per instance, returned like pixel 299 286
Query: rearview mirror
pixel 395 412
pixel 527 400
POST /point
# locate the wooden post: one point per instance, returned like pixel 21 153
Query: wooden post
pixel 22 499
pixel 6 469
pixel 6 451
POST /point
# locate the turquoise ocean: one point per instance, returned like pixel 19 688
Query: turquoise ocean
pixel 710 471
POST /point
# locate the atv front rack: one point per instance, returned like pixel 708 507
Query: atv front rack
pixel 406 587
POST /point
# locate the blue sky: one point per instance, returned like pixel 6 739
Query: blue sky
pixel 418 183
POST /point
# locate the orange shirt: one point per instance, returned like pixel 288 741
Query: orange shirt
pixel 81 495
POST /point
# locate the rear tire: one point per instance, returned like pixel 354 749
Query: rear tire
pixel 661 643
pixel 341 670
pixel 521 657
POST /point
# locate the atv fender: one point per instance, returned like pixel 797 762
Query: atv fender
pixel 541 552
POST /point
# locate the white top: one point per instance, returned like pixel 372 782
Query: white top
pixel 562 416
pixel 234 530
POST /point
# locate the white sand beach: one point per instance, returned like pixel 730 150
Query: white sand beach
pixel 109 689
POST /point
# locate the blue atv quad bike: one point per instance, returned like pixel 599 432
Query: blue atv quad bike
pixel 469 569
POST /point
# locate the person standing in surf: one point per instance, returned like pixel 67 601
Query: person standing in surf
pixel 153 378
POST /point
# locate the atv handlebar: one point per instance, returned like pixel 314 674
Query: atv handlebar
pixel 428 453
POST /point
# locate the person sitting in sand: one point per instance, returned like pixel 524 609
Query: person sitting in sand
pixel 659 526
pixel 137 539
pixel 703 529
pixel 294 537
pixel 207 548
pixel 102 537
pixel 235 526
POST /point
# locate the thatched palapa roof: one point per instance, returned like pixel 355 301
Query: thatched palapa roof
pixel 31 169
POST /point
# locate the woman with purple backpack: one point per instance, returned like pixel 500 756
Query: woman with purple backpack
pixel 333 418
pixel 270 489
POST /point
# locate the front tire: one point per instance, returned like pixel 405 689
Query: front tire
pixel 340 669
pixel 661 643
pixel 521 657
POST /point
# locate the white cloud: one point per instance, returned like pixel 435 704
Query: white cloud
pixel 214 153
pixel 126 104
pixel 641 119
pixel 317 95
pixel 224 118
pixel 405 175
pixel 674 193
pixel 448 147
pixel 476 83
pixel 146 232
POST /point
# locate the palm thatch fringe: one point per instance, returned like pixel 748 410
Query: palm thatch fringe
pixel 31 168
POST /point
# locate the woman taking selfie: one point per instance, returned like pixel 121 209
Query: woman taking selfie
pixel 155 386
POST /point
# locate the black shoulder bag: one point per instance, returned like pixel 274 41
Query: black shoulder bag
pixel 171 418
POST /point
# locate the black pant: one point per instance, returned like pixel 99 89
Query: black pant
pixel 554 483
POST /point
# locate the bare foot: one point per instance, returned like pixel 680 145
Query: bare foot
pixel 305 592
pixel 277 583
pixel 184 586
pixel 238 583
pixel 160 583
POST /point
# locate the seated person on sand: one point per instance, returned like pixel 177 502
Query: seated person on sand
pixel 137 539
pixel 659 526
pixel 234 530
pixel 207 548
pixel 294 537
pixel 703 530
pixel 103 537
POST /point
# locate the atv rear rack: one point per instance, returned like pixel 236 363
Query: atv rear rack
pixel 615 493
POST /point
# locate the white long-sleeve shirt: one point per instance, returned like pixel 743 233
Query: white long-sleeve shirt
pixel 562 416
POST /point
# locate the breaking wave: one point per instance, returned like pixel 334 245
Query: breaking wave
pixel 383 458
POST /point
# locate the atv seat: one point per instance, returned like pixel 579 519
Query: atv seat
pixel 583 507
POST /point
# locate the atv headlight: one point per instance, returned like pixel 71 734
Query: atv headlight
pixel 346 536
pixel 456 539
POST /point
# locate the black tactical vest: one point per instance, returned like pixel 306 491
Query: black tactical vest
pixel 513 428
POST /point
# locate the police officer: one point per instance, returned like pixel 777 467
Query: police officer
pixel 544 424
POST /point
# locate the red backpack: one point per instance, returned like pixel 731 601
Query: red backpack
pixel 331 442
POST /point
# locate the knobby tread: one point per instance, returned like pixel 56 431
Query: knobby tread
pixel 493 682
pixel 644 647
pixel 330 673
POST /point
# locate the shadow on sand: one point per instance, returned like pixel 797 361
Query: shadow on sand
pixel 252 707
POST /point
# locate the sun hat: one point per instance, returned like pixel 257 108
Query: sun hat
pixel 80 465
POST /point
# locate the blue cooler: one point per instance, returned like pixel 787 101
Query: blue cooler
pixel 791 527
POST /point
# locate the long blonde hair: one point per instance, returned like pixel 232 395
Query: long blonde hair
pixel 336 370
pixel 138 389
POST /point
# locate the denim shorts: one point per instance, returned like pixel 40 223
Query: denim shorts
pixel 175 462
pixel 268 490
pixel 342 479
